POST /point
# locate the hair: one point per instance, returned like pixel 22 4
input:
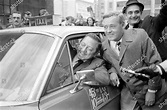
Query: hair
pixel 43 11
pixel 18 12
pixel 28 13
pixel 116 14
pixel 70 17
pixel 92 20
pixel 96 38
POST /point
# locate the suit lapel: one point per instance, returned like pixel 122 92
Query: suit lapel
pixel 123 50
pixel 83 65
pixel 111 53
pixel 126 40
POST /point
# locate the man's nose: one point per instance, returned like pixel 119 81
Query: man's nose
pixel 83 49
pixel 133 14
pixel 15 19
pixel 108 30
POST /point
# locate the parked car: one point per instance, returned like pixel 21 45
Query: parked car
pixel 32 57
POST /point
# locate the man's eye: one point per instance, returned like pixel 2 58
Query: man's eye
pixel 112 26
pixel 130 12
pixel 90 49
pixel 16 17
pixel 82 44
pixel 137 12
pixel 105 27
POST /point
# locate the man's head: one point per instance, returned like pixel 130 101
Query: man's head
pixel 70 20
pixel 89 46
pixel 16 19
pixel 43 12
pixel 27 14
pixel 133 11
pixel 113 25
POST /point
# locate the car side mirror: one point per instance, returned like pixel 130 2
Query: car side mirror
pixel 87 77
pixel 77 87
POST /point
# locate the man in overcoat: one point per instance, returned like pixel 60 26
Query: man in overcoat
pixel 136 50
pixel 153 25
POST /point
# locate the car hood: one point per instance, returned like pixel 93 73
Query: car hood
pixel 24 105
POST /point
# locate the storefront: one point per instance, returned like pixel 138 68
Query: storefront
pixel 8 6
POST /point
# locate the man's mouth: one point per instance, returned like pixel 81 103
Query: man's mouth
pixel 135 18
pixel 110 34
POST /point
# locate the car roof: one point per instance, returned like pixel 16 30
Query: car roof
pixel 60 31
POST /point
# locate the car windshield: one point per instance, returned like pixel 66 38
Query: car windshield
pixel 21 59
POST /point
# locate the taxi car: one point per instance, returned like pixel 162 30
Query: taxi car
pixel 32 57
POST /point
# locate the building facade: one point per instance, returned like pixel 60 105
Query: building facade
pixel 62 8
pixel 105 6
pixel 9 6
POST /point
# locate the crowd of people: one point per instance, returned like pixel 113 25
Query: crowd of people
pixel 17 19
pixel 131 52
pixel 80 21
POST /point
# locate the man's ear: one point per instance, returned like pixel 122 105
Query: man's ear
pixel 123 24
pixel 96 53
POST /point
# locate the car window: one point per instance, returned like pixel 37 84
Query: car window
pixel 62 74
pixel 7 41
pixel 21 66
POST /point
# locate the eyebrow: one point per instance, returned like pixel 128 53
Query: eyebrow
pixel 87 45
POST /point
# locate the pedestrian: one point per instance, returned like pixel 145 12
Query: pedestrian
pixel 152 25
pixel 43 12
pixel 90 21
pixel 80 21
pixel 26 17
pixel 1 25
pixel 16 20
pixel 69 21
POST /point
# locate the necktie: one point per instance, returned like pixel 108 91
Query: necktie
pixel 118 45
pixel 79 62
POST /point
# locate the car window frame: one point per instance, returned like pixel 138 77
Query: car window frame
pixel 65 41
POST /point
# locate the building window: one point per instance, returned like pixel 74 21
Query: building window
pixel 5 10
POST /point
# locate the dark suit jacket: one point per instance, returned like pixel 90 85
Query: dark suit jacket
pixel 137 50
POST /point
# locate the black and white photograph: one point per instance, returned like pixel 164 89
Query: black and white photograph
pixel 83 54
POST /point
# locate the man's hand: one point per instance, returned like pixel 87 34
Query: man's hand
pixel 152 71
pixel 114 79
pixel 149 99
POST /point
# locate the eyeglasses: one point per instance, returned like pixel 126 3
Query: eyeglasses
pixel 135 12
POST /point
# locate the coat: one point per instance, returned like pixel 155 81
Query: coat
pixel 137 50
pixel 154 27
pixel 96 64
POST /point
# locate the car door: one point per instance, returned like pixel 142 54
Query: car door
pixel 100 97
pixel 58 95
